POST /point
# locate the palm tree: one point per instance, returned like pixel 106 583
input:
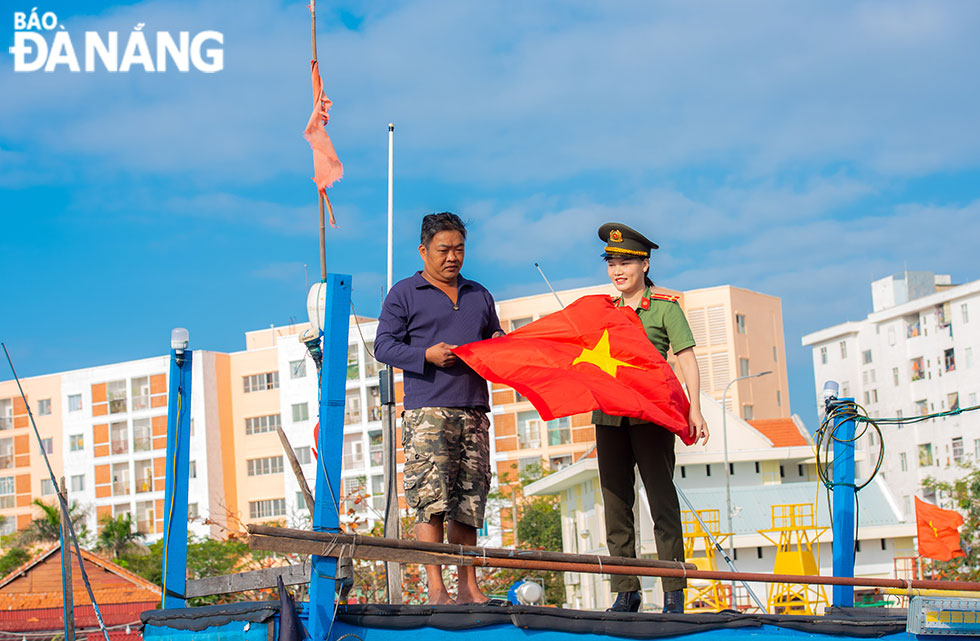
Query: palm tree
pixel 117 534
pixel 47 527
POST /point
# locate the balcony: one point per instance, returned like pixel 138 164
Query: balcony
pixel 144 487
pixel 6 423
pixel 120 488
pixel 120 446
pixel 376 457
pixel 144 527
pixel 6 461
pixel 141 444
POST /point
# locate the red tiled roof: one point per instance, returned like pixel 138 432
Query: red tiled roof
pixel 783 432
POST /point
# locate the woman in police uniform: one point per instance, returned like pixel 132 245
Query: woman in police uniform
pixel 622 442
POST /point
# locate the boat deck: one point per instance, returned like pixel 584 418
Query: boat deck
pixel 258 620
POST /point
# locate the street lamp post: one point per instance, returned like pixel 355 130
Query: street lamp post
pixel 728 476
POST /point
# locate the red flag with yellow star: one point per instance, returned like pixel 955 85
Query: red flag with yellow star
pixel 592 355
pixel 938 531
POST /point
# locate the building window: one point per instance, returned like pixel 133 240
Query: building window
pixel 895 376
pixel 263 466
pixel 779 399
pixel 949 360
pixel 891 336
pixel 143 474
pixel 968 357
pixel 823 355
pixel 142 435
pixel 925 455
pixel 731 469
pixel 301 412
pixel 119 437
pixel 78 483
pixel 976 448
pixel 74 402
pixel 374 403
pixel 353 371
pixel 260 382
pixel 559 431
pixel 261 424
pixel 843 349
pixel 6 414
pixel 740 323
pixel 782 472
pixel 44 407
pixel 352 408
pixel 857 546
pixel 966 315
pixel 8 495
pixel 922 407
pixel 192 511
pixel 353 452
pixel 799 470
pixel 520 322
pixel 47 444
pixel 748 413
pixel 758 552
pixel 866 357
pixel 145 517
pixel 912 326
pixel 903 462
pixel 301 501
pixel 845 389
pixel 775 354
pixel 192 469
pixel 141 393
pixel 47 487
pixel 371 364
pixel 683 472
pixel 304 455
pixel 76 442
pixel 376 450
pixel 6 453
pixel 120 479
pixel 528 430
pixel 297 369
pixel 958 449
pixel 559 462
pixel 743 367
pixel 757 467
pixel 953 401
pixel 707 469
pixel 116 395
pixel 918 369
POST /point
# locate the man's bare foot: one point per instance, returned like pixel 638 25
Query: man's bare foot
pixel 440 598
pixel 468 596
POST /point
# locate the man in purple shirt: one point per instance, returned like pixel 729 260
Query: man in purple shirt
pixel 445 426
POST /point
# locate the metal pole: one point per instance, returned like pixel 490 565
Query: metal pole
pixel 66 578
pixel 728 560
pixel 548 283
pixel 391 195
pixel 326 512
pixel 728 475
pixel 176 489
pixel 392 529
pixel 843 502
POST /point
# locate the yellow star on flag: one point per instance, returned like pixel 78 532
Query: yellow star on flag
pixel 601 357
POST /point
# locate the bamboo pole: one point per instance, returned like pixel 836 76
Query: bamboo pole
pixel 297 470
pixel 376 548
pixel 321 196
pixel 69 596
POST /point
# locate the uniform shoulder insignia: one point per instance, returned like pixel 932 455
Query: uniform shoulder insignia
pixel 666 297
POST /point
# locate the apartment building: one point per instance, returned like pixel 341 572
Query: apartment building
pixel 912 355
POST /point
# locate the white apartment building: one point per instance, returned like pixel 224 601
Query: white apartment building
pixel 913 355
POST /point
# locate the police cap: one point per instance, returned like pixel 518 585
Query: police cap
pixel 622 241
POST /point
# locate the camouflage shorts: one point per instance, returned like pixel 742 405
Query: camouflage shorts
pixel 447 463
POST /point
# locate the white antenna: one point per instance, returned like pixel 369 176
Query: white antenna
pixel 391 192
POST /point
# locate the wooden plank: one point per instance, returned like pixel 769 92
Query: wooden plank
pixel 254 580
pixel 366 553
pixel 297 469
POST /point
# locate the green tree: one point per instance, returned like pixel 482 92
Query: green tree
pixel 13 559
pixel 117 534
pixel 964 493
pixel 47 527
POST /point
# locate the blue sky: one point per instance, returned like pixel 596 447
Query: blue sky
pixel 797 149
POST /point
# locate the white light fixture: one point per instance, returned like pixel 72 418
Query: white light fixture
pixel 179 339
pixel 316 303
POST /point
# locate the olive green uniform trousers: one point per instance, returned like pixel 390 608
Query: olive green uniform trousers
pixel 651 448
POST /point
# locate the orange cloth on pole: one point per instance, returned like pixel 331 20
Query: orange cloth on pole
pixel 592 355
pixel 939 537
pixel 326 166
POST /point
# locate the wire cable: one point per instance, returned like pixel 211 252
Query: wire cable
pixel 170 512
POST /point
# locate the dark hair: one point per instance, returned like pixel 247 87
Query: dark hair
pixel 432 224
pixel 646 277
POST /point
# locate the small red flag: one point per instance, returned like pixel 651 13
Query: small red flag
pixel 939 537
pixel 591 355
pixel 326 166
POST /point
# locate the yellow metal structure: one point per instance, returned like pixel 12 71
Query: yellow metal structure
pixel 703 594
pixel 794 532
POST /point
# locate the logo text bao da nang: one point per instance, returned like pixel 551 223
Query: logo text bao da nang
pixel 41 43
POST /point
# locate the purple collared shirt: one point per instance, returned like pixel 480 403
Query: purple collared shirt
pixel 417 315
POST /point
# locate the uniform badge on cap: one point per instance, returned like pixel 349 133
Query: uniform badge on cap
pixel 615 236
